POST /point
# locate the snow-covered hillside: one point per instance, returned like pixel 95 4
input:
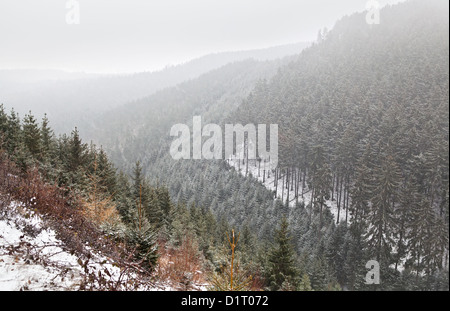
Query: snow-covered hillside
pixel 256 171
pixel 33 258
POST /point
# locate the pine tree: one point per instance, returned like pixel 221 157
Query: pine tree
pixel 77 152
pixel 305 284
pixel 159 209
pixel 361 189
pixel 336 252
pixel 143 237
pixel 47 139
pixel 355 260
pixel 123 198
pixel 151 201
pixel 181 225
pixel 381 214
pixel 421 227
pixel 138 182
pixel 14 134
pixel 282 261
pixel 439 240
pixel 408 201
pixel 50 164
pixel 32 136
pixel 3 125
pixel 319 274
pixel 322 180
pixel 10 130
pixel 232 277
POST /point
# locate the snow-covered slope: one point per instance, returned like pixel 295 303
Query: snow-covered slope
pixel 33 258
pixel 256 171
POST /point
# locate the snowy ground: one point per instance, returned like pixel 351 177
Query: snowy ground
pixel 33 258
pixel 269 183
pixel 24 247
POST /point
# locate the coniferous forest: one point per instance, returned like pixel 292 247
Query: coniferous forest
pixel 362 174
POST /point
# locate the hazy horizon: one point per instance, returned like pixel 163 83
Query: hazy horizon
pixel 158 69
pixel 118 36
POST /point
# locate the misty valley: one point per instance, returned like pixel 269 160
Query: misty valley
pixel 314 166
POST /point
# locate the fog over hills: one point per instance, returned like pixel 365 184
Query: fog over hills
pixel 134 193
pixel 74 99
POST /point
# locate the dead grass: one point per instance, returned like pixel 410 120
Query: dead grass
pixel 183 266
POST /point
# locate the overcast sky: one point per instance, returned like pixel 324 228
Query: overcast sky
pixel 144 35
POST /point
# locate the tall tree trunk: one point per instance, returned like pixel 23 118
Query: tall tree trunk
pixel 320 218
pixel 339 197
pixel 276 183
pixel 246 156
pixel 259 168
pixel 348 197
pixel 292 179
pixel 332 188
pixel 304 181
pixel 287 186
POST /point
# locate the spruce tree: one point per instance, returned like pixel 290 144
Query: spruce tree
pixel 319 274
pixel 3 124
pixel 143 237
pixel 305 283
pixel 32 136
pixel 138 182
pixel 76 152
pixel 381 214
pixel 14 135
pixel 106 172
pixel 282 260
pixel 322 180
pixel 421 227
pixel 47 138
